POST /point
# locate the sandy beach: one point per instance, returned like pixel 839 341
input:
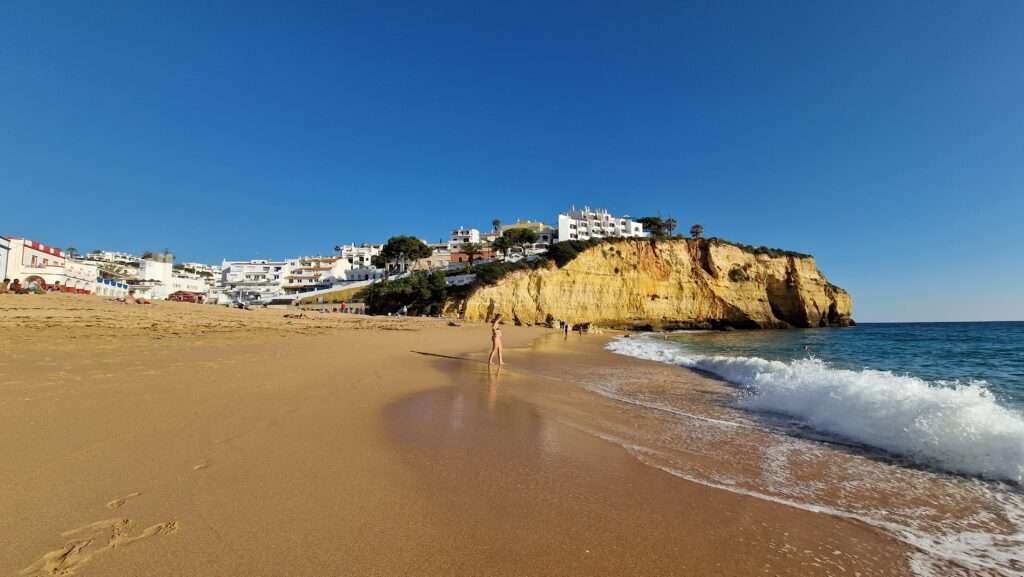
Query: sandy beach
pixel 178 439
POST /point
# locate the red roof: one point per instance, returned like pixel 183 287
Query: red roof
pixel 39 246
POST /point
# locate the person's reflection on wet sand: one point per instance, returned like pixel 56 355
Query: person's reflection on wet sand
pixel 494 379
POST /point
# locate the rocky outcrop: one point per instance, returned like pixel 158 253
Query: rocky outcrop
pixel 667 284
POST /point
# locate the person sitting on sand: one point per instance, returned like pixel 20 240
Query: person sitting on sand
pixel 16 287
pixel 496 347
pixel 5 287
pixel 131 299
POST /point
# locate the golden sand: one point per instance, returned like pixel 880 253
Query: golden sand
pixel 179 439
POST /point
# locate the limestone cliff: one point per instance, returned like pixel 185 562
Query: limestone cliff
pixel 667 284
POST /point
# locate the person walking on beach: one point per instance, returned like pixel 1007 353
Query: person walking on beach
pixel 496 342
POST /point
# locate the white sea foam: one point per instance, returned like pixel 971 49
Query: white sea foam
pixel 959 427
pixel 975 552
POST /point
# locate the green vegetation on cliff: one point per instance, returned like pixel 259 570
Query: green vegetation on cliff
pixel 428 292
pixel 423 292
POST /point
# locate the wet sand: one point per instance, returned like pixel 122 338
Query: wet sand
pixel 178 439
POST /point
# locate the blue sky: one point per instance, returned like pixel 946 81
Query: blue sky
pixel 885 138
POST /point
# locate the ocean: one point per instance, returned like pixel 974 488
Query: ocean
pixel 914 428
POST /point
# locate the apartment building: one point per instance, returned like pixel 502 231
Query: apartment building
pixel 587 223
pixel 250 280
pixel 308 273
pixel 462 235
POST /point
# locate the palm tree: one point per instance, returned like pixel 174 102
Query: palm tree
pixel 496 223
pixel 670 224
pixel 697 231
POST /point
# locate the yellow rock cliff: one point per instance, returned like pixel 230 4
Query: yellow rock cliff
pixel 667 284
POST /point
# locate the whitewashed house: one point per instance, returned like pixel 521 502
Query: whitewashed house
pixel 33 262
pixel 5 250
pixel 359 256
pixel 80 276
pixel 462 235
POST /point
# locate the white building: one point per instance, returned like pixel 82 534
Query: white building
pixel 250 280
pixel 462 236
pixel 191 283
pixel 158 278
pixel 80 276
pixel 360 274
pixel 342 271
pixel 359 256
pixel 34 262
pixel 5 249
pixel 198 268
pixel 111 288
pixel 596 223
pixel 154 278
pixel 309 273
pixel 121 258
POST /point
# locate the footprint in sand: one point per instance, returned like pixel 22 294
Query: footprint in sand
pixel 201 466
pixel 85 543
pixel 116 503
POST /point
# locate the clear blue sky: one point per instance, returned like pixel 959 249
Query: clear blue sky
pixel 885 138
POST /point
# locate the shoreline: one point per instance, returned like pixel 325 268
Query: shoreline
pixel 798 542
pixel 180 439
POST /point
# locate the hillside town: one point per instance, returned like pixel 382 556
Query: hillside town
pixel 30 266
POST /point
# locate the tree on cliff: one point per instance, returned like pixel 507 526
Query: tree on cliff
pixel 422 292
pixel 399 252
pixel 472 250
pixel 518 238
pixel 697 231
pixel 671 224
pixel 654 226
pixel 496 223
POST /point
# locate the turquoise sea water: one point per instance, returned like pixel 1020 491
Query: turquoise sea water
pixel 947 395
pixel 990 353
pixel 916 429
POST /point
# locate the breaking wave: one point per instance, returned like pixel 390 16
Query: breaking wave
pixel 956 426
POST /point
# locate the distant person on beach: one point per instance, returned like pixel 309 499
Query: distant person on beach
pixel 131 299
pixel 16 287
pixel 5 287
pixel 496 347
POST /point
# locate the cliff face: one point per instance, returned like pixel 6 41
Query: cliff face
pixel 667 284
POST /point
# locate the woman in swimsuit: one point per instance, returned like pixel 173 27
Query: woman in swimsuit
pixel 496 342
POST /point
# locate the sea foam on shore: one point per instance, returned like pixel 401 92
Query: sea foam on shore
pixel 955 426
